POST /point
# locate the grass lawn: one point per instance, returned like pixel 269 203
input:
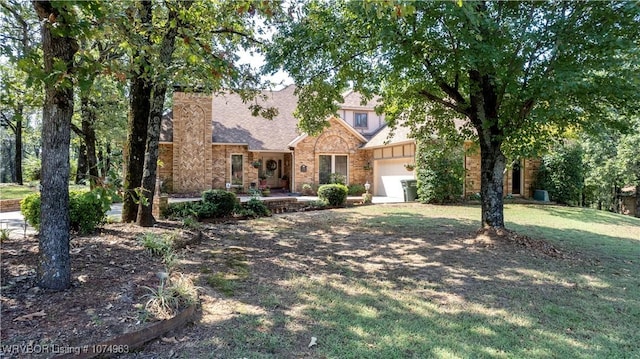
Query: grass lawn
pixel 15 191
pixel 414 281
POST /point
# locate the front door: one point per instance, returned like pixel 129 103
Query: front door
pixel 515 178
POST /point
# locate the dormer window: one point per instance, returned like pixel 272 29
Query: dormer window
pixel 360 120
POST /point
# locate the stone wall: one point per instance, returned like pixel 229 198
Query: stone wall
pixel 192 134
pixel 336 140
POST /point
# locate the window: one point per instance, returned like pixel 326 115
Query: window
pixel 360 120
pixel 332 164
pixel 237 170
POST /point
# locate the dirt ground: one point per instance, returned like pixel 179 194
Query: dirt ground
pixel 110 268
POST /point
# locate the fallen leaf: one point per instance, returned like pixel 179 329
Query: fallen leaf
pixel 82 278
pixel 171 340
pixel 30 316
pixel 314 341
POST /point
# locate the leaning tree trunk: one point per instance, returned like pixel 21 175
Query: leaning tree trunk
pixel 139 105
pixel 145 210
pixel 54 270
pixel 145 215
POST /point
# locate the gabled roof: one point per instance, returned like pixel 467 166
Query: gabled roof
pixel 340 122
pixel 399 135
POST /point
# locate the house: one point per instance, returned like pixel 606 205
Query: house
pixel 216 142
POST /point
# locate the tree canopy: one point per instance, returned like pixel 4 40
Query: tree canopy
pixel 518 73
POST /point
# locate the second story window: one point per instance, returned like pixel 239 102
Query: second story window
pixel 360 119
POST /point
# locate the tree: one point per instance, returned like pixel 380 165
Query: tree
pixel 59 47
pixel 209 34
pixel 518 72
pixel 18 31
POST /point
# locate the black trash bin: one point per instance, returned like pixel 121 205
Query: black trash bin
pixel 410 188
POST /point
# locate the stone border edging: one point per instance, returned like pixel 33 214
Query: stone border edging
pixel 132 340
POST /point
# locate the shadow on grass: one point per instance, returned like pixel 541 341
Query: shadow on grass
pixel 589 215
pixel 405 285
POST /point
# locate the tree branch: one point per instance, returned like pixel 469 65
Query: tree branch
pixel 448 104
pixel 239 33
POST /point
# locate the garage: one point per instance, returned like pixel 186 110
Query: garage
pixel 388 173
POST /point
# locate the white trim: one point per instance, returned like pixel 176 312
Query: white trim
pixel 271 151
pixel 407 142
pixel 297 140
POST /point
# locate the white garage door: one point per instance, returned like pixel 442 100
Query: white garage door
pixel 388 174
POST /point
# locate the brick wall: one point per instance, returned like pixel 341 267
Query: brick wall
pixel 165 154
pixel 528 167
pixel 192 134
pixel 334 140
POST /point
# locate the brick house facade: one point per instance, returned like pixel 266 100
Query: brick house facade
pixel 214 141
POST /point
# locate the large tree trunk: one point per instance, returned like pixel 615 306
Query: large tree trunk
pixel 484 116
pixel 139 106
pixel 492 165
pixel 54 270
pixel 18 154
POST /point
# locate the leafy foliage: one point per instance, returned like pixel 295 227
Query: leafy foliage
pixel 334 194
pixel 561 174
pixel 224 201
pixel 356 189
pixel 516 73
pixel 440 172
pixel 180 210
pixel 86 209
pixel 255 208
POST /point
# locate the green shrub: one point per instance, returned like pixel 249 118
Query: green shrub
pixel 86 209
pixel 30 208
pixel 334 194
pixel 206 209
pixel 561 174
pixel 225 201
pixel 181 210
pixel 356 189
pixel 256 208
pixel 440 172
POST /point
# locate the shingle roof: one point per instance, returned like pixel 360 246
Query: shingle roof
pixel 399 135
pixel 233 122
pixel 352 100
